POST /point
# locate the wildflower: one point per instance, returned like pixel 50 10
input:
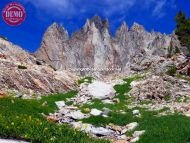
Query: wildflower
pixel 30 118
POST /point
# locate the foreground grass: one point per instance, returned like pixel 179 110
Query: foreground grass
pixel 187 78
pixel 22 119
pixel 166 129
pixel 159 129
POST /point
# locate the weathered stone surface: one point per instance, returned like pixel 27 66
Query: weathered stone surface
pixel 160 88
pixel 77 115
pixel 95 112
pixel 182 64
pixel 99 131
pixel 115 127
pixel 60 104
pixel 134 140
pixel 131 126
pixel 136 112
pixel 101 90
pixel 94 47
pixel 106 111
pixel 20 74
pixel 11 141
pixel 138 133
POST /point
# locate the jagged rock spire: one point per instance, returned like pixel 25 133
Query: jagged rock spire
pixel 123 29
pixel 94 47
pixel 57 29
pixel 99 23
pixel 137 27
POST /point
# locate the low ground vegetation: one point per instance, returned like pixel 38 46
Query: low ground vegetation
pixel 24 119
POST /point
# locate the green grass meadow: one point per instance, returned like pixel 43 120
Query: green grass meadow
pixel 22 119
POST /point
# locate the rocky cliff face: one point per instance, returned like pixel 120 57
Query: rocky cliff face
pixel 21 73
pixel 94 48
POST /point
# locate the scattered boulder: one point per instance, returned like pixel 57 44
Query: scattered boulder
pixel 95 90
pixel 77 115
pixel 88 128
pixel 100 131
pixel 138 133
pixel 60 104
pixel 123 137
pixel 136 112
pixel 115 127
pixel 134 140
pixel 82 126
pixel 123 131
pixel 106 111
pixel 101 90
pixel 132 126
pixel 95 112
pixel 108 101
pixel 116 100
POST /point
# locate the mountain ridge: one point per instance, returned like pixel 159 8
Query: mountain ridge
pixel 93 46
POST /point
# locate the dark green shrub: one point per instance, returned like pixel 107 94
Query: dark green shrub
pixel 22 67
pixel 86 79
pixel 172 71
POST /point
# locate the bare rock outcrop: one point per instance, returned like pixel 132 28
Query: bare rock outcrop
pixel 160 88
pixel 94 50
pixel 21 72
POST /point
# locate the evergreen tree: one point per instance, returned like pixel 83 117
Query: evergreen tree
pixel 183 29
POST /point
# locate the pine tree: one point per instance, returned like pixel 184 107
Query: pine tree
pixel 183 30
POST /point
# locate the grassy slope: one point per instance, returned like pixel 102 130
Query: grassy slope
pixel 21 119
pixel 166 129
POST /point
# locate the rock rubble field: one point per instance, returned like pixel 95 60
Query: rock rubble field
pixel 72 114
pixel 162 92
